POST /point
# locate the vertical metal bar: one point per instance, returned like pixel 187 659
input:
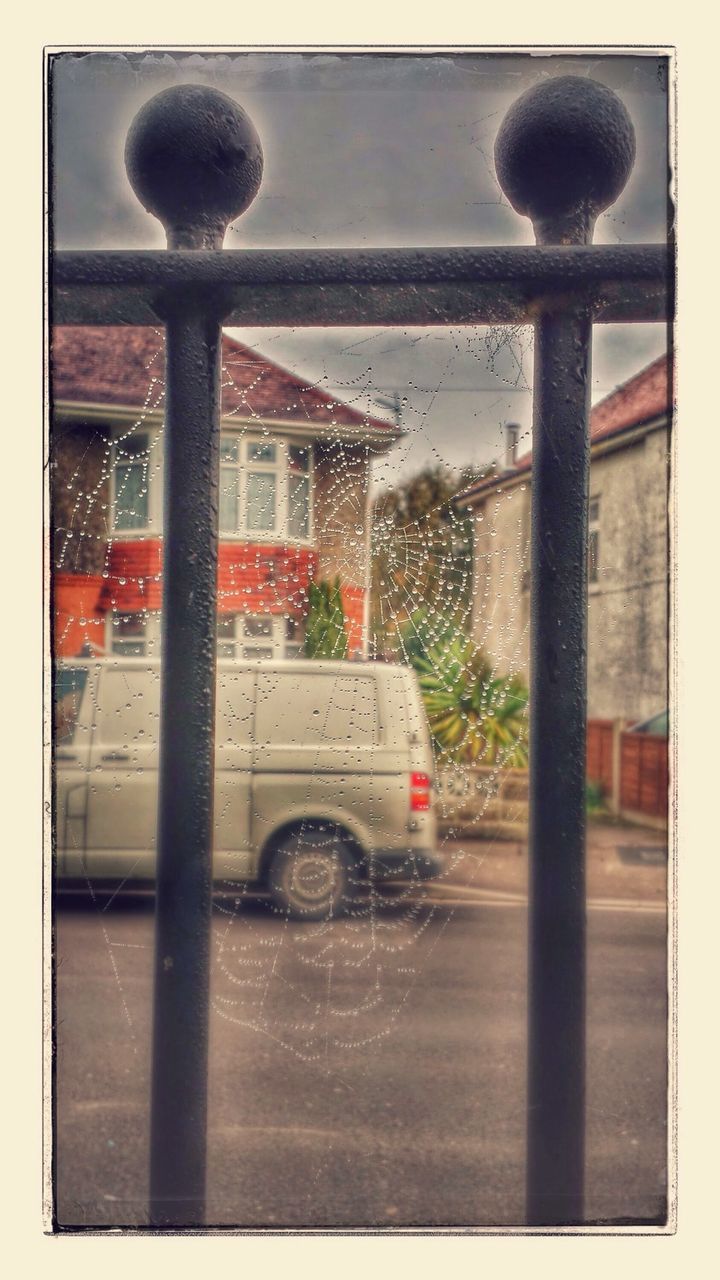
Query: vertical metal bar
pixel 195 161
pixel 556 1051
pixel 563 153
pixel 185 807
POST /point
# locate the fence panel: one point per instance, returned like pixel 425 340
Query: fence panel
pixel 644 774
pixel 600 753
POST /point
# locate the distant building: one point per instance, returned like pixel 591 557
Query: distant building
pixel 294 485
pixel 628 552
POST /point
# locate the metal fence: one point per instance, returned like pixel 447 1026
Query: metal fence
pixel 563 154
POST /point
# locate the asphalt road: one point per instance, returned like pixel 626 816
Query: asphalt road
pixel 366 1073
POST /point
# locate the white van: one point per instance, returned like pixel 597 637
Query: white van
pixel 323 777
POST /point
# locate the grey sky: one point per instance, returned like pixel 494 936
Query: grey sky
pixel 370 150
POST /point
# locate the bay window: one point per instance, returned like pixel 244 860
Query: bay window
pixel 133 635
pixel 131 482
pixel 298 492
pixel 265 487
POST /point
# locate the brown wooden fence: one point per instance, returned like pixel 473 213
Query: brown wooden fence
pixel 632 769
pixel 600 753
pixel 644 774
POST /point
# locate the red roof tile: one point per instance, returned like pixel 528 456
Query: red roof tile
pixel 126 366
pixel 642 398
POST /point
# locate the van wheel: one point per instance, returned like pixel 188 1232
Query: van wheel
pixel 309 876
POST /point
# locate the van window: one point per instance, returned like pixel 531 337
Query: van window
pixel 67 696
pixel 311 710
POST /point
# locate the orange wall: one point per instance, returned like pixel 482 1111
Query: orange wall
pixel 78 618
pixel 252 578
pixel 353 599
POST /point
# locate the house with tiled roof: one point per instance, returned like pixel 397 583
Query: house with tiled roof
pixel 627 553
pixel 294 497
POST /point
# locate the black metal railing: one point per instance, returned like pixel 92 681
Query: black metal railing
pixel 563 154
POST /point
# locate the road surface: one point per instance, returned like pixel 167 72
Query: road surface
pixel 366 1073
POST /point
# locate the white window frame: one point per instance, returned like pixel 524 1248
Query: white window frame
pixel 247 648
pixel 277 641
pixel 150 636
pixel 280 468
pixel 153 524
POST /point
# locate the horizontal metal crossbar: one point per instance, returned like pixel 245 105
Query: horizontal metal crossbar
pixel 504 285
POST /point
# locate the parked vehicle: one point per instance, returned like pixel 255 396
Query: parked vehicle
pixel 323 777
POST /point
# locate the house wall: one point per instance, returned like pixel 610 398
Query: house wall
pixel 94 574
pixel 627 607
pixel 501 579
pixel 341 489
pixel 342 473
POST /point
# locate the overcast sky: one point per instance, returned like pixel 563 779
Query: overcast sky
pixel 367 150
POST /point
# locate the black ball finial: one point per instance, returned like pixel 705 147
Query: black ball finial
pixel 563 154
pixel 194 160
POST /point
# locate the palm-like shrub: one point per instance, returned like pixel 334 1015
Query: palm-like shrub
pixel 427 632
pixel 475 716
pixel 326 634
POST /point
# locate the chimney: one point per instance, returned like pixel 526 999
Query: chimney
pixel 512 432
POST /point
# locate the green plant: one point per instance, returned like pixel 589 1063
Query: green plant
pixel 594 796
pixel 425 631
pixel 475 716
pixel 326 633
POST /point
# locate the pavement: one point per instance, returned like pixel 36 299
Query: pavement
pixel 624 864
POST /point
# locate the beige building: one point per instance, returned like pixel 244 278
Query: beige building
pixel 628 552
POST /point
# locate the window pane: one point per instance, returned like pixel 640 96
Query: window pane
pixel 228 448
pixel 229 481
pixel 226 635
pixel 129 648
pixel 129 635
pixel 254 626
pixel 252 654
pixel 226 625
pixel 261 500
pixel 299 457
pixel 298 506
pixel 128 624
pixel 261 452
pixel 131 495
pixel 134 446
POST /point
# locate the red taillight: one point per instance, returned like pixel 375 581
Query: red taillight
pixel 420 784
